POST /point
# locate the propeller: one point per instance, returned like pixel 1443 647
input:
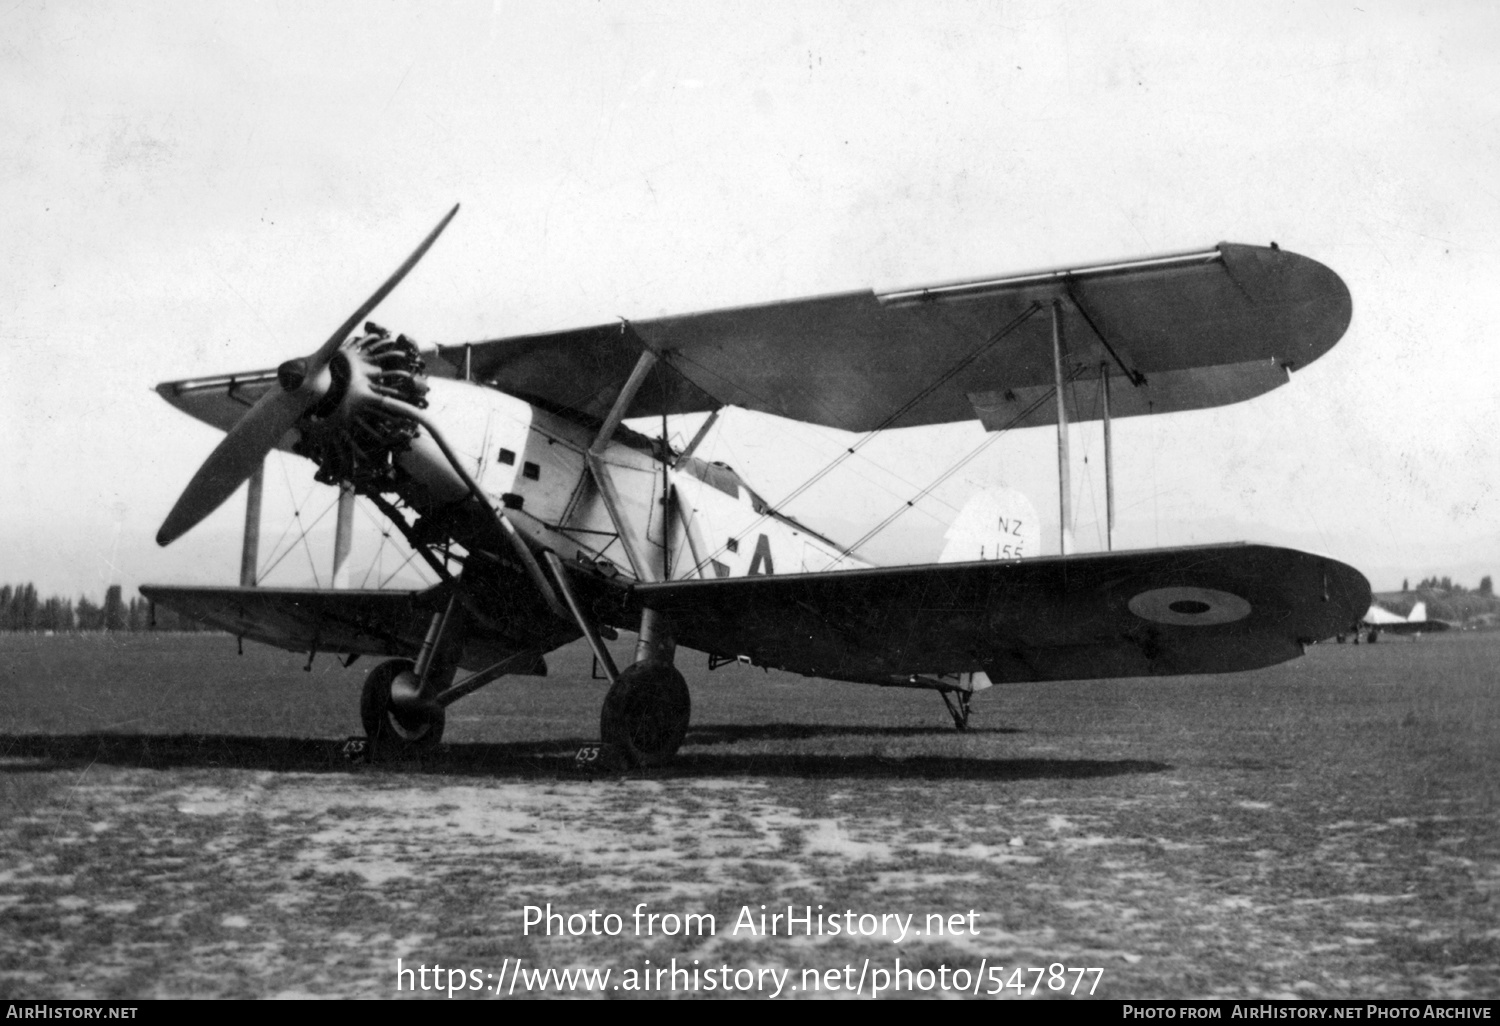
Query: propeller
pixel 300 384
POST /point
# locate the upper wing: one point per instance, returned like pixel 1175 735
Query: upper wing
pixel 1205 609
pixel 223 399
pixel 1173 333
pixel 305 619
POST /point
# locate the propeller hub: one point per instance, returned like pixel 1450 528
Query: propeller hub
pixel 340 373
pixel 292 374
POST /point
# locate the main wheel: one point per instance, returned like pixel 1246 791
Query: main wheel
pixel 646 713
pixel 391 730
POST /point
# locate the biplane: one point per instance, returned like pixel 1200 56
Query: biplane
pixel 1379 620
pixel 509 468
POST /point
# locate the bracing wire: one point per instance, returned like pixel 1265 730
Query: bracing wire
pixel 890 419
pixel 302 537
pixel 374 565
pixel 990 440
pixel 274 560
pixel 267 563
pixel 312 564
pixel 1095 411
pixel 392 575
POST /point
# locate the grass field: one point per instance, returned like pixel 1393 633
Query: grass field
pixel 178 821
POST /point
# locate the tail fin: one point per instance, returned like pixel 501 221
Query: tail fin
pixel 976 681
pixel 997 523
pixel 1418 613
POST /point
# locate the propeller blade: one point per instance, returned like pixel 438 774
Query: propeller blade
pixel 276 413
pixel 238 454
pixel 326 351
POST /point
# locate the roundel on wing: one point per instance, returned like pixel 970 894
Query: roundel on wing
pixel 1189 607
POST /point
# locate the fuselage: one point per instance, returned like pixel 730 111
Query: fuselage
pixel 672 518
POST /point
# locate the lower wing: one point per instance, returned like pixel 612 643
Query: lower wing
pixel 1410 627
pixel 391 623
pixel 1205 609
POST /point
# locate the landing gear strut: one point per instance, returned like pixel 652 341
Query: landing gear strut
pixel 646 711
pixel 398 706
pixel 958 707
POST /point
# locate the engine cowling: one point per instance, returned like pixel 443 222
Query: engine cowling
pixel 355 442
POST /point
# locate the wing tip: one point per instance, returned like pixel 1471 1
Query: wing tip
pixel 1270 274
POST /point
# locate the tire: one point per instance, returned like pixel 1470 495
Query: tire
pixel 646 713
pixel 391 732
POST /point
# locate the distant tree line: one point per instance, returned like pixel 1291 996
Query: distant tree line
pixel 1486 586
pixel 22 609
pixel 1448 601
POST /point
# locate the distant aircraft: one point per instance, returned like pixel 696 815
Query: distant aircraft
pixel 507 467
pixel 1379 620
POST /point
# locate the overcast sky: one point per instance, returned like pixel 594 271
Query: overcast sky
pixel 198 188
